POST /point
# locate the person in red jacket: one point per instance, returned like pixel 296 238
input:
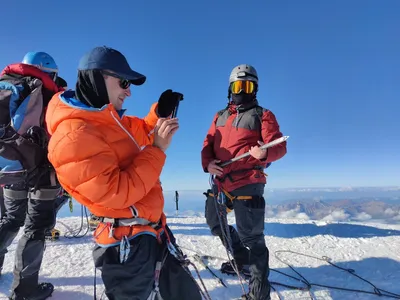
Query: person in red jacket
pixel 243 126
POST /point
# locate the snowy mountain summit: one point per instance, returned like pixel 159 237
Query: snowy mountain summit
pixel 326 256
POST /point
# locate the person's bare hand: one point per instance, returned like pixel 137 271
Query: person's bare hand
pixel 257 152
pixel 164 131
pixel 214 169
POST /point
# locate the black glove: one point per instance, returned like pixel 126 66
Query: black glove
pixel 167 103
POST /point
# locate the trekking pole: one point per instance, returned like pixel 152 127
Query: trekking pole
pixel 176 202
pixel 268 145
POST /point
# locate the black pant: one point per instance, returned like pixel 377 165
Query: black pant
pixel 37 216
pixel 247 241
pixel 59 202
pixel 134 278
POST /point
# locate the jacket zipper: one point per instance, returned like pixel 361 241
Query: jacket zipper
pixel 133 209
pixel 126 131
pixel 237 119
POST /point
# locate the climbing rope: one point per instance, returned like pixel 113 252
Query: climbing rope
pixel 220 208
pixel 178 254
pixel 376 291
pixel 307 284
pixel 204 293
pixel 76 233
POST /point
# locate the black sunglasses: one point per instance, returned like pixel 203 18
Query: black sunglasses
pixel 123 83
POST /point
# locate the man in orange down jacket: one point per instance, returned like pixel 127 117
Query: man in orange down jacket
pixel 111 163
pixel 239 128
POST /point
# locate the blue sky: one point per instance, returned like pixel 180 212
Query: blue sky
pixel 329 70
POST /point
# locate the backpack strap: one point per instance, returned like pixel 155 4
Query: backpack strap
pixel 260 110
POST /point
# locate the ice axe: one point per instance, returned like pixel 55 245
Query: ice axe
pixel 268 145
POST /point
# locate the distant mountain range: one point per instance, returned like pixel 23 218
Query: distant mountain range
pixel 329 204
pixel 390 194
pixel 337 210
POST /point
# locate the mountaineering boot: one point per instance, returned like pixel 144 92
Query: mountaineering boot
pixel 42 292
pixel 52 235
pixel 227 268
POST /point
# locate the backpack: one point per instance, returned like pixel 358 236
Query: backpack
pixel 23 139
pixel 260 111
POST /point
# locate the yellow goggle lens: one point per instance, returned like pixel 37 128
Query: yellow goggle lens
pixel 245 86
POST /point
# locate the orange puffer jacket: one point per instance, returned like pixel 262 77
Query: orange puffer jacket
pixel 106 161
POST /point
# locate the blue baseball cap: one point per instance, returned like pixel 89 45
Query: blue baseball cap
pixel 102 58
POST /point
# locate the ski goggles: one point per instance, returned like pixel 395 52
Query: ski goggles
pixel 246 86
pixel 53 76
pixel 123 83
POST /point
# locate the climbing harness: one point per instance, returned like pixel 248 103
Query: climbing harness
pixel 175 251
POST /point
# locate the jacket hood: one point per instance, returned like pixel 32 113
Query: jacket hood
pixel 64 106
pixel 28 70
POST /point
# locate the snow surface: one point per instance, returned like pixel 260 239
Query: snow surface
pixel 371 249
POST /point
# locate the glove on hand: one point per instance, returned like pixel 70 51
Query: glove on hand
pixel 167 102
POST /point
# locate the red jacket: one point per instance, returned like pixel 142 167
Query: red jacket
pixel 233 132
